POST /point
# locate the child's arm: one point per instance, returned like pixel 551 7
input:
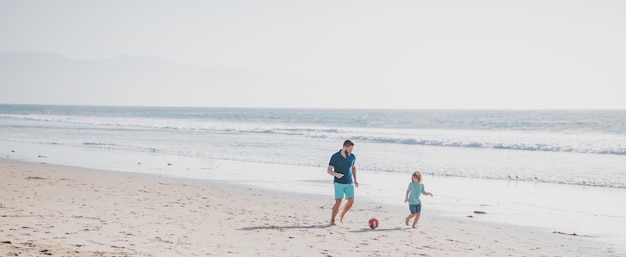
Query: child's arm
pixel 406 198
pixel 428 193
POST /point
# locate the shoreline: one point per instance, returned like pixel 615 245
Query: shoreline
pixel 69 211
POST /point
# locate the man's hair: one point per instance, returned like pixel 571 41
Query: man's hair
pixel 348 143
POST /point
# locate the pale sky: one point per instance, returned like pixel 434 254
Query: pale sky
pixel 364 54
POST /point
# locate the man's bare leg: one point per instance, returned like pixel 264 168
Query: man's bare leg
pixel 335 211
pixel 346 208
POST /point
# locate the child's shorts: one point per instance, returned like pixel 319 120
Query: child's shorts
pixel 415 208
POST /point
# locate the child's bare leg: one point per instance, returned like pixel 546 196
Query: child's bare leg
pixel 417 217
pixel 346 208
pixel 408 218
pixel 335 210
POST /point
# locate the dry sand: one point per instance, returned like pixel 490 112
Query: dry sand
pixel 49 210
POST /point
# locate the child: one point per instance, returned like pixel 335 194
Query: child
pixel 413 192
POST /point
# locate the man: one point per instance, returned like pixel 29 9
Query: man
pixel 342 168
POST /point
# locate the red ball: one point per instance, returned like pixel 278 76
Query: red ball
pixel 373 223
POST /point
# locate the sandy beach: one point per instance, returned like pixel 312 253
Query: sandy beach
pixel 51 210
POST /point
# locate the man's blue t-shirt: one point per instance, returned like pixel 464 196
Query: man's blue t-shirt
pixel 344 166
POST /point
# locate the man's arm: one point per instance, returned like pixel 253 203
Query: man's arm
pixel 356 184
pixel 331 171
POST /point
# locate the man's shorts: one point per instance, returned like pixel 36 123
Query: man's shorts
pixel 344 190
pixel 415 208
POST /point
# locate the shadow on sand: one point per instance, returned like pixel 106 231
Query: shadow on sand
pixel 286 227
pixel 362 230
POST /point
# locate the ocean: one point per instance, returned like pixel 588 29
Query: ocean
pixel 525 161
pixel 561 147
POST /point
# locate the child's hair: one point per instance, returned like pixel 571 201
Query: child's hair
pixel 417 176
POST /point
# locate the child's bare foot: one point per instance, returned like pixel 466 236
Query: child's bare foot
pixel 406 221
pixel 414 227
